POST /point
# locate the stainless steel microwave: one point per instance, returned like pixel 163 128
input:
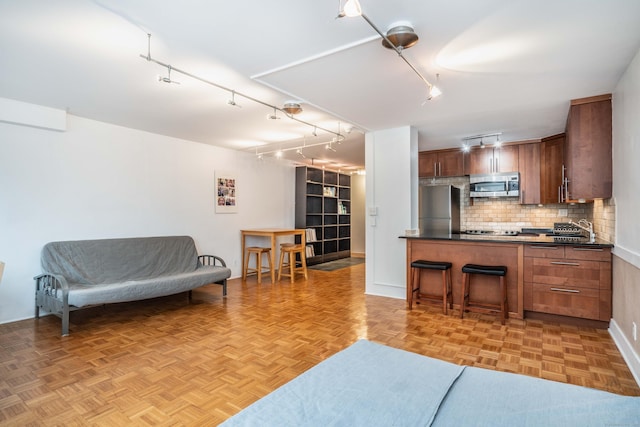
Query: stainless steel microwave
pixel 506 184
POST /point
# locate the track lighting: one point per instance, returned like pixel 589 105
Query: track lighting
pixel 329 147
pixel 352 8
pixel 290 108
pixel 315 131
pixel 168 78
pixel 300 153
pixel 434 91
pixel 403 35
pixel 232 101
pixel 273 116
pixel 496 144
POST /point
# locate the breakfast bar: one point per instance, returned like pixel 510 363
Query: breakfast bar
pixel 545 274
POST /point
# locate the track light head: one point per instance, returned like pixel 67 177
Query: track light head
pixel 274 115
pixel 232 101
pixel 168 78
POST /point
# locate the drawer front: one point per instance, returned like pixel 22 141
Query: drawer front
pixel 544 251
pixel 588 253
pixel 566 301
pixel 566 272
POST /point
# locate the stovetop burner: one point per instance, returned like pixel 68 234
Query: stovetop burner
pixel 479 232
pixel 498 233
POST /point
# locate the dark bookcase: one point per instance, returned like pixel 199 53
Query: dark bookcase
pixel 323 203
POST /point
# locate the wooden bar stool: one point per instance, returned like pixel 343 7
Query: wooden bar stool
pixel 416 270
pixel 488 270
pixel 291 251
pixel 259 270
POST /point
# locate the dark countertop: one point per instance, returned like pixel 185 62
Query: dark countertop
pixel 521 238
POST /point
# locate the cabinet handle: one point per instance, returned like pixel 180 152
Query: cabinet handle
pixel 570 291
pixel 561 188
pixel 589 249
pixel 490 164
pixel 575 264
pixel 544 247
pixel 435 169
pixel 560 194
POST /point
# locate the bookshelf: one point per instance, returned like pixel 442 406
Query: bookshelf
pixel 323 208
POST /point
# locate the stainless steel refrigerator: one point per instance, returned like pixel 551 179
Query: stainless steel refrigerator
pixel 439 209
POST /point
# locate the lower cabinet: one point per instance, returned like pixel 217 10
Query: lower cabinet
pixel 568 280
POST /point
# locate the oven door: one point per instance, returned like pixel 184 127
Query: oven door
pixel 488 189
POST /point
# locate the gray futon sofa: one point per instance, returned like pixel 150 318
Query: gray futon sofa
pixel 84 273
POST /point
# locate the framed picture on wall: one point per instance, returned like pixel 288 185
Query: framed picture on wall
pixel 226 192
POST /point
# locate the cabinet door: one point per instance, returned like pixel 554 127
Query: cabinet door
pixel 491 160
pixel 551 161
pixel 480 161
pixel 451 163
pixel 529 166
pixel 427 163
pixel 506 158
pixel 588 149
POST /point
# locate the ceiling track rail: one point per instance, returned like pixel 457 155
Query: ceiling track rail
pixel 339 137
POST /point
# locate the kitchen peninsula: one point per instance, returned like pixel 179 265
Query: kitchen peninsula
pixel 545 274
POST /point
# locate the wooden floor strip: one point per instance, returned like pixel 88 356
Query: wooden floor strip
pixel 168 362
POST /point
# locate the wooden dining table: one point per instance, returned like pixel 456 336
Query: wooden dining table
pixel 272 234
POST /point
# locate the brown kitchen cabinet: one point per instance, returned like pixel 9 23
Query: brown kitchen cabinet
pixel 568 280
pixel 551 164
pixel 440 163
pixel 529 168
pixel 492 160
pixel 588 150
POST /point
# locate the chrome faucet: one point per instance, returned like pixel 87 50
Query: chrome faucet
pixel 586 226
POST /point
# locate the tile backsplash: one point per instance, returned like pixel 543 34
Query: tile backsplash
pixel 508 214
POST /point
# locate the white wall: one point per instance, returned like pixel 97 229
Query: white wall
pixel 391 158
pixel 626 158
pixel 626 193
pixel 102 181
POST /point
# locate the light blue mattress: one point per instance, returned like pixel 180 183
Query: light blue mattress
pixel 370 384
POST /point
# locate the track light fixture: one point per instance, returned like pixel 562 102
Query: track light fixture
pixel 298 149
pixel 234 93
pixel 497 143
pixel 403 35
pixel 352 8
pixel 232 101
pixel 273 116
pixel 168 78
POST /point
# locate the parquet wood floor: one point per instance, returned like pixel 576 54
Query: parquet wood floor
pixel 167 362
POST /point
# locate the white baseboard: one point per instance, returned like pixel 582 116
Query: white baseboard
pixel 623 344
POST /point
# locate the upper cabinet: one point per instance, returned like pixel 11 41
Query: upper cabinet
pixel 529 168
pixel 551 164
pixel 493 160
pixel 440 163
pixel 587 151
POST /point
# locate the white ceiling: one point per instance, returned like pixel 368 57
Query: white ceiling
pixel 507 66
